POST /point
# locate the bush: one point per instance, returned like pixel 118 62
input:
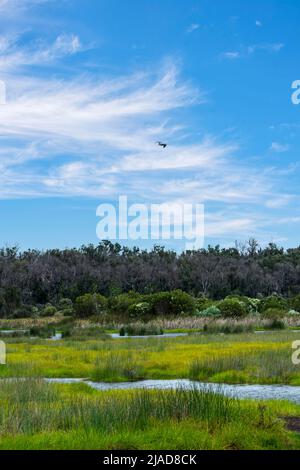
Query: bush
pixel 272 302
pixel 67 312
pixel 141 330
pixel 89 304
pixel 203 303
pixel 65 327
pixel 119 305
pixel 34 311
pixel 231 308
pixel 277 324
pixel 274 313
pixel 23 312
pixel 293 313
pixel 252 305
pixel 65 304
pixel 172 303
pixel 295 303
pixel 212 311
pixel 139 310
pixel 42 331
pixel 48 311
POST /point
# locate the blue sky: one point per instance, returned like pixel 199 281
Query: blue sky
pixel 92 85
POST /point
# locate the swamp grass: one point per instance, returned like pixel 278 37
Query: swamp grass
pixel 38 415
pixel 235 358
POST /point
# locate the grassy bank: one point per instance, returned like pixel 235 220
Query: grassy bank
pixel 36 415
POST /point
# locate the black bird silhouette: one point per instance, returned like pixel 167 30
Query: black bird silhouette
pixel 161 144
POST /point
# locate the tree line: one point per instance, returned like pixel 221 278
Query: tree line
pixel 35 277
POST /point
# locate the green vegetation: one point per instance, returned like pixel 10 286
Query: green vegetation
pixel 89 353
pixel 36 415
pixel 89 304
pixel 223 299
pixel 39 415
pixel 141 329
pixel 133 307
pixel 232 308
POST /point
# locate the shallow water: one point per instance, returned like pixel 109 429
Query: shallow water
pixel 166 335
pixel 254 392
pixel 11 332
pixel 64 381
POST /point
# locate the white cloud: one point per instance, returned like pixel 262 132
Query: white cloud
pixel 13 7
pixel 97 138
pixel 279 202
pixel 268 47
pixel 94 137
pixel 193 27
pixel 250 50
pixel 101 123
pixel 232 55
pixel 14 57
pixel 279 148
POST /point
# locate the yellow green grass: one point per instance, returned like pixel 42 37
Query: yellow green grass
pixel 232 358
pixel 36 415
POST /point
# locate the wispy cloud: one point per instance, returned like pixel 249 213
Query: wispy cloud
pixel 232 55
pixel 268 47
pixel 248 51
pixel 279 148
pixel 11 7
pixel 13 56
pixel 96 137
pixel 193 27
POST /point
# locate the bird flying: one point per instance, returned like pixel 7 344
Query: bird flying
pixel 161 144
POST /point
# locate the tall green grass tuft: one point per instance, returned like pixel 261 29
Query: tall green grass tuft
pixel 255 367
pixel 117 367
pixel 229 327
pixel 141 329
pixel 38 415
pixel 32 406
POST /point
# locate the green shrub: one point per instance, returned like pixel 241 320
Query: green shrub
pixel 252 305
pixel 212 311
pixel 65 304
pixel 42 331
pixel 172 303
pixel 89 304
pixel 65 327
pixel 22 312
pixel 139 310
pixel 295 303
pixel 140 330
pixel 231 308
pixel 119 304
pixel 274 313
pixel 67 312
pixel 34 311
pixel 277 324
pixel 272 302
pixel 293 313
pixel 48 311
pixel 203 303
